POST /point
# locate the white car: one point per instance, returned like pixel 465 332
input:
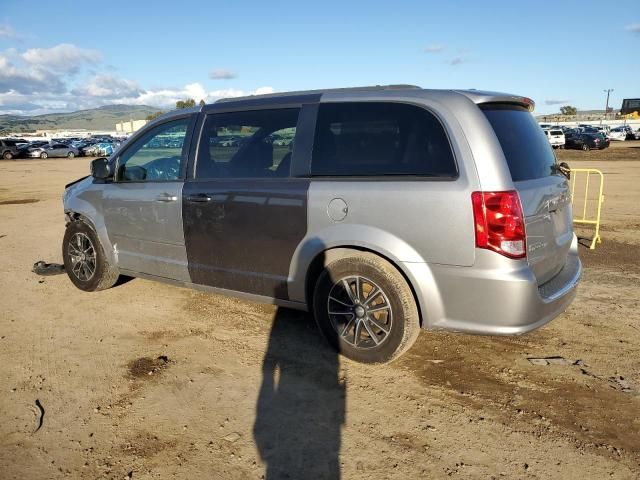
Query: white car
pixel 556 138
pixel 618 133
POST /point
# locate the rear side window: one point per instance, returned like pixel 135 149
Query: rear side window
pixel 376 139
pixel 525 147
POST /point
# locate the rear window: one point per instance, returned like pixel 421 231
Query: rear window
pixel 376 139
pixel 525 147
pixel 556 132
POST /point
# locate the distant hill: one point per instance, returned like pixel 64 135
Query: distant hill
pixel 101 118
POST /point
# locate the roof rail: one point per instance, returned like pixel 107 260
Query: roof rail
pixel 321 91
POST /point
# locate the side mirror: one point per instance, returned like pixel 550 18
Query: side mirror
pixel 100 169
pixel 565 170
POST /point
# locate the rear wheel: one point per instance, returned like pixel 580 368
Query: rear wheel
pixel 7 155
pixel 43 155
pixel 585 147
pixel 71 154
pixel 365 309
pixel 84 259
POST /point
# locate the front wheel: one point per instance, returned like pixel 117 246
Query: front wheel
pixel 71 154
pixel 585 147
pixel 365 309
pixel 84 259
pixel 7 155
pixel 43 155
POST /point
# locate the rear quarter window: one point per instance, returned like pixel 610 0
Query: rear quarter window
pixel 380 139
pixel 525 146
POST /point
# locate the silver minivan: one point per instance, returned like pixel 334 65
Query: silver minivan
pixel 382 210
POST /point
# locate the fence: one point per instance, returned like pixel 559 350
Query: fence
pixel 591 204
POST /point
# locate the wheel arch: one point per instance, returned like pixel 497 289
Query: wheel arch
pixel 332 254
pixel 87 214
pixel 315 253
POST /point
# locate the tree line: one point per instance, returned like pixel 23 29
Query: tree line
pixel 188 103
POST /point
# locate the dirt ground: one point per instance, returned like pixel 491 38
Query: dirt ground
pixel 147 380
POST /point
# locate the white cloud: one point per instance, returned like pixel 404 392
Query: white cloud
pixel 457 61
pixel 108 86
pixel 66 78
pixel 557 101
pixel 633 28
pixel 167 98
pixel 27 80
pixel 7 31
pixel 435 48
pixel 63 58
pixel 222 74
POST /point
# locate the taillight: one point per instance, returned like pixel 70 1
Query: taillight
pixel 499 223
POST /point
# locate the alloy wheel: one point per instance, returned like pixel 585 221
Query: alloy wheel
pixel 360 312
pixel 83 257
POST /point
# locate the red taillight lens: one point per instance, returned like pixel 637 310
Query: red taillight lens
pixel 499 223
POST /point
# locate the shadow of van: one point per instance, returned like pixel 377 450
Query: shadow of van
pixel 301 404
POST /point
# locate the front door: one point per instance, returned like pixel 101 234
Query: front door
pixel 143 206
pixel 243 214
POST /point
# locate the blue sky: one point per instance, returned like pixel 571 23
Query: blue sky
pixel 72 55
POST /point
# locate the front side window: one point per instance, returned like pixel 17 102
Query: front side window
pixel 253 144
pixel 157 156
pixel 377 139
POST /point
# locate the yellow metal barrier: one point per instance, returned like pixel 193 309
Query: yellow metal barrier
pixel 588 200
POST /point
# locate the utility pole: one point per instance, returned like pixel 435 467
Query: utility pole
pixel 606 108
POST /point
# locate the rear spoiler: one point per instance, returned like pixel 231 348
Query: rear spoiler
pixel 479 97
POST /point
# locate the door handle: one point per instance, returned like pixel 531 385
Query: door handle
pixel 199 198
pixel 166 198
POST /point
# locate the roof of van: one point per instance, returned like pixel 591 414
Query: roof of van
pixel 476 96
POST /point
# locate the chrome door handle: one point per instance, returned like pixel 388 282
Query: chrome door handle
pixel 199 198
pixel 166 198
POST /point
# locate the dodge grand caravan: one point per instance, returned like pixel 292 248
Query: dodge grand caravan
pixel 382 210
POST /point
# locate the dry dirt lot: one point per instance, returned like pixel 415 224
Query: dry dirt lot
pixel 147 380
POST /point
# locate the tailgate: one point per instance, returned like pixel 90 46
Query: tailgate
pixel 543 191
pixel 548 224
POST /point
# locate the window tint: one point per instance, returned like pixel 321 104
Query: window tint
pixel 556 132
pixel 528 153
pixel 254 144
pixel 363 139
pixel 157 155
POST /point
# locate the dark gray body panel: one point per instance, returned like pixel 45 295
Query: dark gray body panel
pixel 244 237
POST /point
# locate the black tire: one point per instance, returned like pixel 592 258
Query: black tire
pixel 585 147
pixel 396 328
pixel 102 275
pixel 7 155
pixel 71 155
pixel 43 155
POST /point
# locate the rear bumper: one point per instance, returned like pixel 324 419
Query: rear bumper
pixel 492 299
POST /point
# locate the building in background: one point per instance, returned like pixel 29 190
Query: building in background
pixel 630 108
pixel 130 127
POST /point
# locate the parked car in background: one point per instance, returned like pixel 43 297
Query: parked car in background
pixel 9 148
pixel 105 149
pixel 52 150
pixel 630 134
pixel 586 141
pixel 637 134
pixel 555 137
pixel 619 134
